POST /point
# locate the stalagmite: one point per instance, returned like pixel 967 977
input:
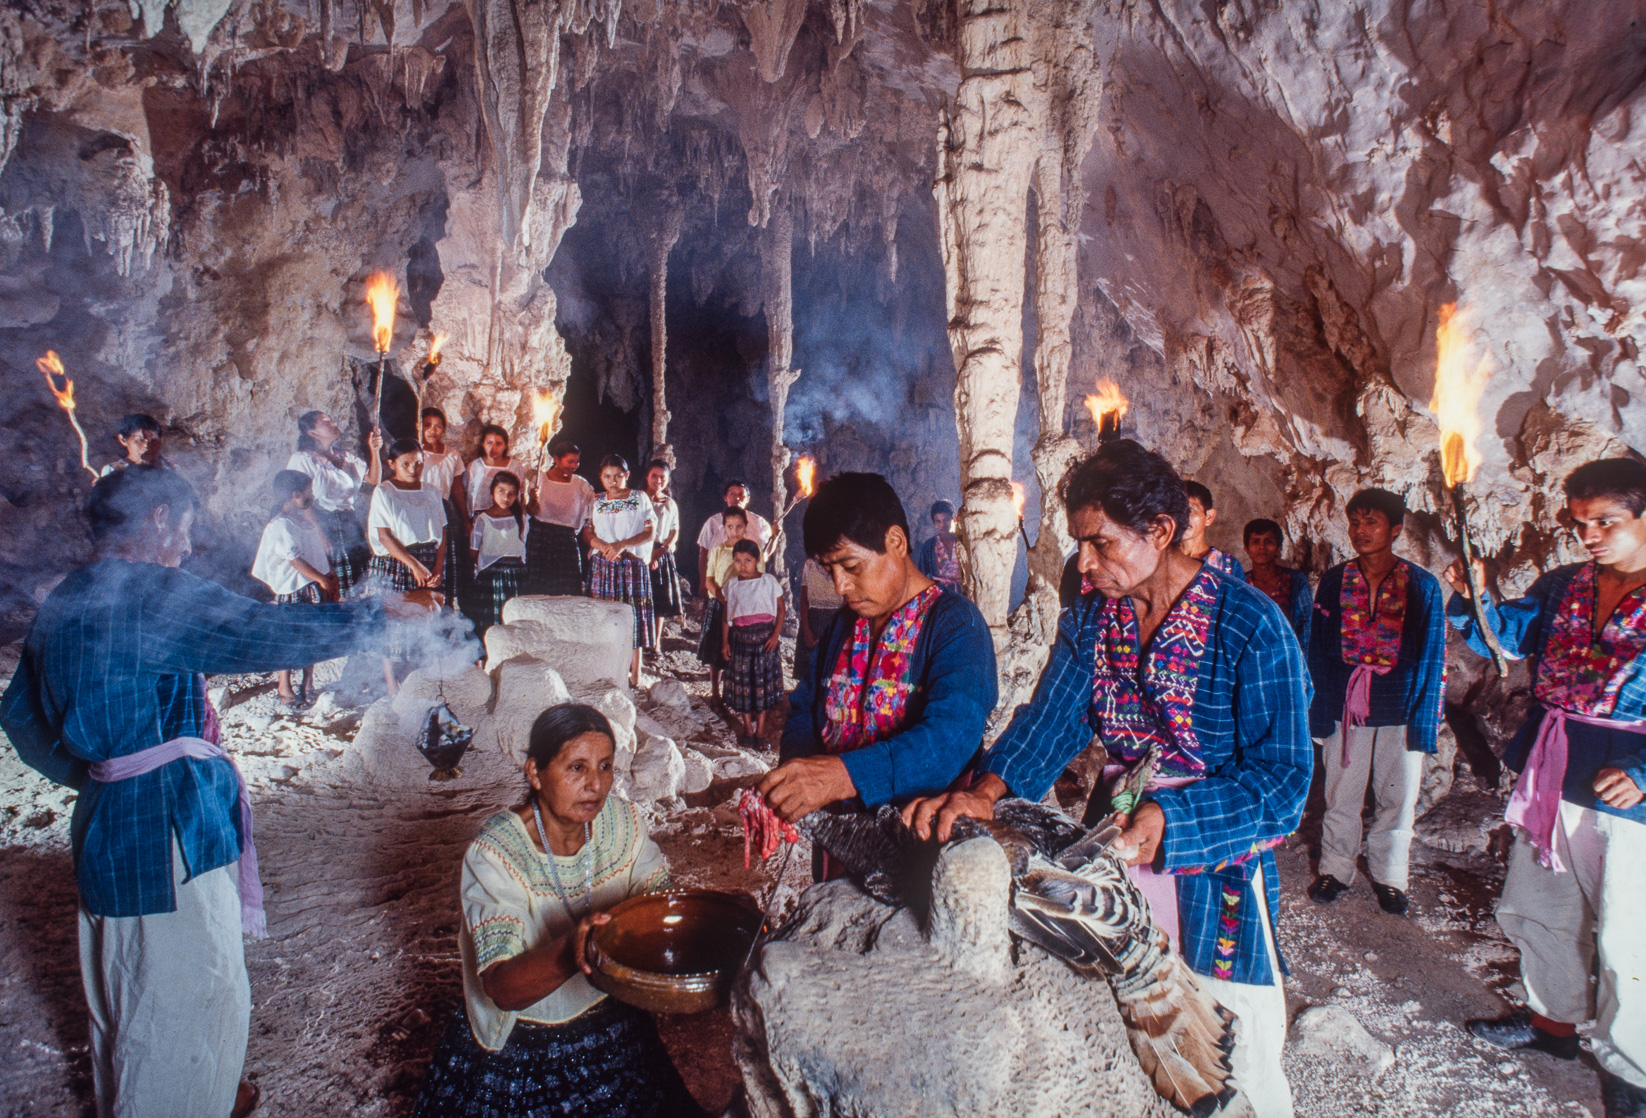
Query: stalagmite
pixel 662 242
pixel 986 154
pixel 777 287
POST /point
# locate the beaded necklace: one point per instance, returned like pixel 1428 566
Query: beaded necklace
pixel 554 874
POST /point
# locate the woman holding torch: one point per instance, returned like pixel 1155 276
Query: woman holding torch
pixel 1572 902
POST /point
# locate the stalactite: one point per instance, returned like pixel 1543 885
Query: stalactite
pixel 772 25
pixel 777 276
pixel 1067 121
pixel 662 243
pixel 986 150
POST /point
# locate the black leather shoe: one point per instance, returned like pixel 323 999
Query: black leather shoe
pixel 1623 1099
pixel 1326 889
pixel 1391 900
pixel 1516 1031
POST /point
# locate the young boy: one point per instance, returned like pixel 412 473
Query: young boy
pixel 293 561
pixel 1572 902
pixel 716 570
pixel 1202 515
pixel 939 557
pixel 1377 654
pixel 1287 587
pixel 749 629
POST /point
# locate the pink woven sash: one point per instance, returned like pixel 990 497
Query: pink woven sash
pixel 252 920
pixel 1534 806
pixel 1357 700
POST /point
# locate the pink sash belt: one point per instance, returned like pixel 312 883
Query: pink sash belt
pixel 1534 806
pixel 1357 700
pixel 252 920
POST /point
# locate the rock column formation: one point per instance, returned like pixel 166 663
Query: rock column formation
pixel 986 154
pixel 777 272
pixel 662 243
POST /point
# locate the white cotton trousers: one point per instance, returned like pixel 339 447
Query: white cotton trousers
pixel 170 1003
pixel 1377 755
pixel 1582 934
pixel 1260 1031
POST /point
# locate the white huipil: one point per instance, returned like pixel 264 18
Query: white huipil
pixel 334 486
pixel 412 516
pixel 286 539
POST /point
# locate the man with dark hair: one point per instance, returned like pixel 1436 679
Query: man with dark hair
pixel 939 557
pixel 1572 902
pixel 1202 515
pixel 713 532
pixel 1287 587
pixel 108 698
pixel 139 438
pixel 1377 654
pixel 904 677
pixel 1196 688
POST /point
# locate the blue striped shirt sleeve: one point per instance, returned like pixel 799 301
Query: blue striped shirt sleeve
pixel 1047 732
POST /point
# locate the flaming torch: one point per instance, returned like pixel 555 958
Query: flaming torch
pixel 1108 407
pixel 383 295
pixel 1456 406
pixel 429 366
pixel 1019 496
pixel 63 388
pixel 546 418
pixel 805 474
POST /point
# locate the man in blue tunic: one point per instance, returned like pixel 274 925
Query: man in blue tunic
pixel 108 698
pixel 1377 655
pixel 1572 902
pixel 896 699
pixel 1195 685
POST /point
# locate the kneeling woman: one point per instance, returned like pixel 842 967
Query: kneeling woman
pixel 533 1036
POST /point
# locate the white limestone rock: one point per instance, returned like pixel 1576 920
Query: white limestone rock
pixel 1331 1033
pixel 658 770
pixel 852 1011
pixel 467 692
pixel 739 766
pixel 670 693
pixel 589 642
pixel 698 773
pixel 525 688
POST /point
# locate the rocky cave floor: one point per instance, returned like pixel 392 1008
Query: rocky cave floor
pixel 353 988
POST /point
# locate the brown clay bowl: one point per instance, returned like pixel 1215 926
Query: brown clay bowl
pixel 673 952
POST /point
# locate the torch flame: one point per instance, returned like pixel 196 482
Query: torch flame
pixel 805 472
pixel 383 294
pixel 56 379
pixel 434 349
pixel 63 388
pixel 1106 401
pixel 1019 495
pixel 1457 397
pixel 545 414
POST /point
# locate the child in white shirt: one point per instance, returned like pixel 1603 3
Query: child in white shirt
pixel 749 634
pixel 497 547
pixel 294 561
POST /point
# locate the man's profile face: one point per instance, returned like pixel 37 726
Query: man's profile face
pixel 1200 519
pixel 872 582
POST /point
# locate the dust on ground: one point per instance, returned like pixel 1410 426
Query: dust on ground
pixel 354 987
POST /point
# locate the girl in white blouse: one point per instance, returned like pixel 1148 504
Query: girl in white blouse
pixel 293 560
pixel 497 548
pixel 442 467
pixel 337 477
pixel 665 575
pixel 407 530
pixel 559 507
pixel 494 456
pixel 622 524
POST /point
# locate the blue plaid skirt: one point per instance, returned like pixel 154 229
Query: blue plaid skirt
pixel 627 580
pixel 754 680
pixel 608 1062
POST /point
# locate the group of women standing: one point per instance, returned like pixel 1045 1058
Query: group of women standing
pixel 526 532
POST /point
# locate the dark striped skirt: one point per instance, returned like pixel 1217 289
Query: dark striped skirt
pixel 307 595
pixel 492 587
pixel 666 585
pixel 404 639
pixel 554 560
pixel 708 646
pixel 627 580
pixel 607 1062
pixel 349 553
pixel 754 679
pixel 457 555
